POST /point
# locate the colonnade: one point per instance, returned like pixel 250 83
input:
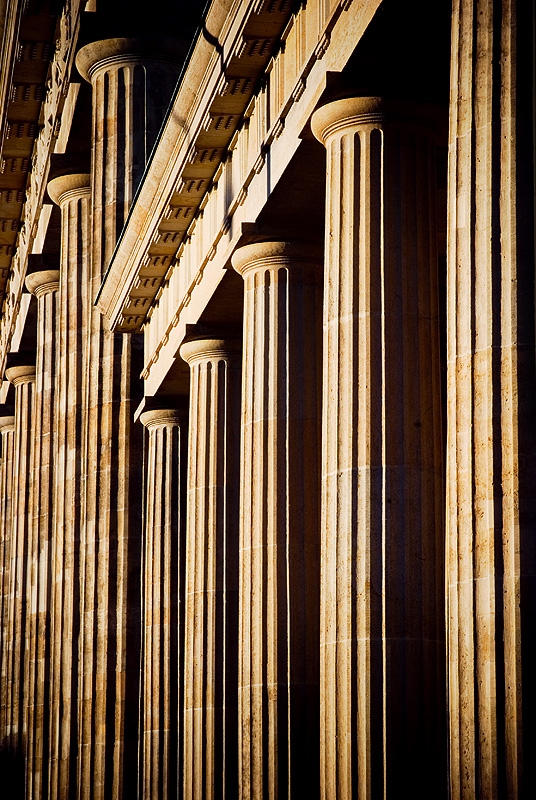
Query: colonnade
pixel 242 594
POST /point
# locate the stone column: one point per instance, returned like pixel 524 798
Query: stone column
pixel 382 617
pixel 163 602
pixel 72 194
pixel 210 751
pixel 131 84
pixel 491 461
pixel 44 285
pixel 7 432
pixel 279 521
pixel 23 378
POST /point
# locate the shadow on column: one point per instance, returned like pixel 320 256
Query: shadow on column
pixel 12 772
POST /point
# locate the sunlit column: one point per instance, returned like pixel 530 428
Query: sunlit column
pixel 131 81
pixel 279 520
pixel 72 193
pixel 163 602
pixel 382 618
pixel 210 753
pixel 7 432
pixel 491 391
pixel 23 379
pixel 44 285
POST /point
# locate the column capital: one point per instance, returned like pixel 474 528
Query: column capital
pixel 7 424
pixel 118 52
pixel 262 255
pixel 65 187
pixel 22 374
pixel 204 348
pixel 42 282
pixel 161 417
pixel 353 113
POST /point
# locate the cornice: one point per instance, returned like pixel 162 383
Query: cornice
pixel 207 111
pixel 205 121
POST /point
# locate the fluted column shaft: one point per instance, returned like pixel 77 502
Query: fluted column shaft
pixel 44 285
pixel 491 461
pixel 72 193
pixel 382 628
pixel 279 525
pixel 130 86
pixel 163 602
pixel 7 431
pixel 23 378
pixel 211 623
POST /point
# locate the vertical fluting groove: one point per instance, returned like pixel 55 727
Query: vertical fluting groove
pixel 24 379
pixel 6 534
pixel 491 580
pixel 162 589
pixel 279 523
pixel 211 580
pixel 382 630
pixel 111 524
pixel 37 668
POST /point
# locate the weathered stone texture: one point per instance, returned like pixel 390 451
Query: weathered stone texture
pixel 210 749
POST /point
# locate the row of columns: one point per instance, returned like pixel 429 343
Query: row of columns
pixel 71 646
pixel 338 636
pixel 288 636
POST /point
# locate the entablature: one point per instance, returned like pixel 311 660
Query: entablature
pixel 222 124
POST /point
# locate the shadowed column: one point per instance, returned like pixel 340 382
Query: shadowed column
pixel 163 602
pixel 132 82
pixel 7 431
pixel 491 391
pixel 44 285
pixel 382 607
pixel 72 194
pixel 23 379
pixel 279 524
pixel 211 620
